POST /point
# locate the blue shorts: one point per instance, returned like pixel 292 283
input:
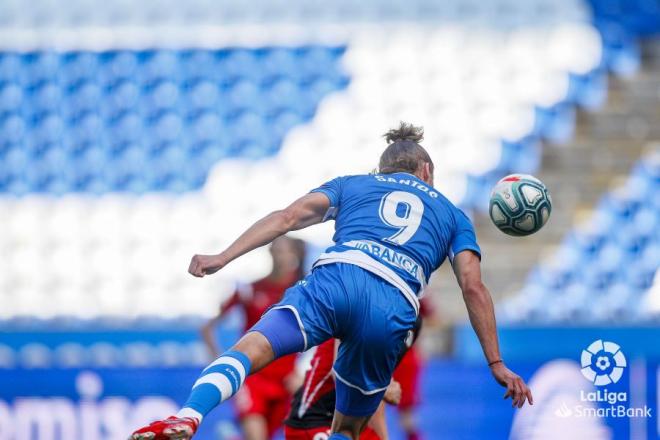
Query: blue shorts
pixel 370 316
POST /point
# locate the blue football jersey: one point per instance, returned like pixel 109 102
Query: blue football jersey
pixel 395 226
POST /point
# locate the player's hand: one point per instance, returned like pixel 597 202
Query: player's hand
pixel 393 393
pixel 516 388
pixel 201 265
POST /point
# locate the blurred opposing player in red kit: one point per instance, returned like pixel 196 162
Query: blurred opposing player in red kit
pixel 313 404
pixel 407 375
pixel 262 404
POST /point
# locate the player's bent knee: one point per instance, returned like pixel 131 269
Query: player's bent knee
pixel 257 348
pixel 280 326
pixel 348 426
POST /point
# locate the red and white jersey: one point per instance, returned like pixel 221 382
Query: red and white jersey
pixel 254 299
pixel 314 403
pixel 257 297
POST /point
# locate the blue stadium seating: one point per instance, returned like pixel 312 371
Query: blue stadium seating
pixel 83 125
pixel 142 121
pixel 601 271
pixel 85 115
pixel 637 17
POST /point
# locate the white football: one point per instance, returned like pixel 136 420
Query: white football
pixel 520 205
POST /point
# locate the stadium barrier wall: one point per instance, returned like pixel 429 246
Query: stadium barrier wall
pixel 537 344
pixel 459 401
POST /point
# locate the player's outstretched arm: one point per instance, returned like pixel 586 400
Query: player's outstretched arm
pixel 467 268
pixel 306 211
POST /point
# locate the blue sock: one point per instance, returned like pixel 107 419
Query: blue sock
pixel 338 436
pixel 217 383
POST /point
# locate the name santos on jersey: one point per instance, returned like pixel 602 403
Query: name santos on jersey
pixel 408 182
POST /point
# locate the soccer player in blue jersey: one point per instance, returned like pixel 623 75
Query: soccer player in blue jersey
pixel 392 230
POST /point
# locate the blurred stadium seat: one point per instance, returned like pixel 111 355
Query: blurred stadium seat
pixel 134 134
pixel 135 122
pixel 603 268
pixel 98 128
pixel 117 162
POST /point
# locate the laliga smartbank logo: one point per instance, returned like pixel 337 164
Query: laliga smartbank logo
pixel 603 363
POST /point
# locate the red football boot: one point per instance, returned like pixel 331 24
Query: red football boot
pixel 172 428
